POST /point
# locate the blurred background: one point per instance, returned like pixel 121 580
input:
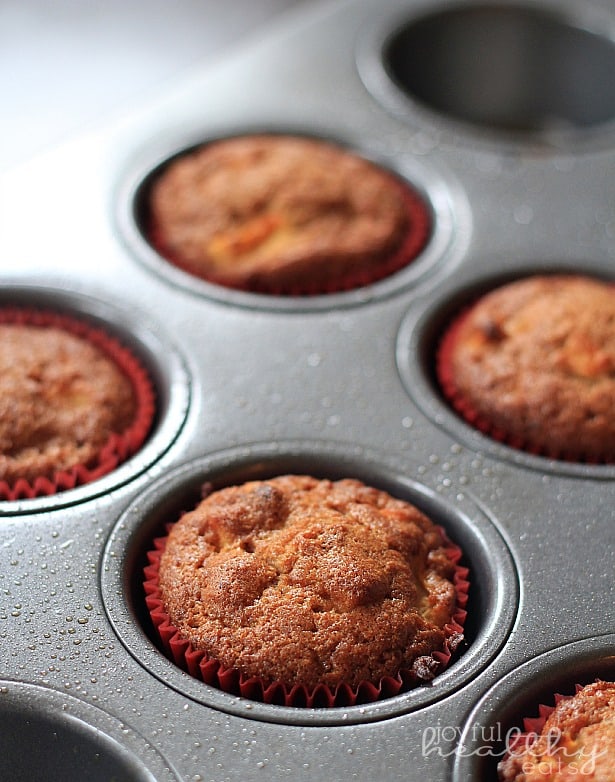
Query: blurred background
pixel 68 65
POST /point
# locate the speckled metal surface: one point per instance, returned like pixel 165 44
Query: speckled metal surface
pixel 253 385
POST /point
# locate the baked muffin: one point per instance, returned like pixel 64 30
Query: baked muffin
pixel 576 741
pixel 284 214
pixel 311 582
pixel 532 363
pixel 65 403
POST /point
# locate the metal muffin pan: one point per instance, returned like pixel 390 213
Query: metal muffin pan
pixel 251 385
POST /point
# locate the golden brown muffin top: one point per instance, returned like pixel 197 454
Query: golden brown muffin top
pixel 60 400
pixel 300 580
pixel 275 209
pixel 536 358
pixel 577 742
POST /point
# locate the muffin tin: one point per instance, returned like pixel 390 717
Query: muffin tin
pixel 342 385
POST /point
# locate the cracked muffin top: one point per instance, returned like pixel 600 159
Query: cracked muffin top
pixel 533 363
pixel 306 581
pixel 269 212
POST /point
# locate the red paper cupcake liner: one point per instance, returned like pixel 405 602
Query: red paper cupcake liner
pixel 120 446
pixel 201 666
pixel 467 411
pixel 419 230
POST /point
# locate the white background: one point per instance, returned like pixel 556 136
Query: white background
pixel 69 65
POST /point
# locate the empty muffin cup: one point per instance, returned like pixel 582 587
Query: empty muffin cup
pixel 514 69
